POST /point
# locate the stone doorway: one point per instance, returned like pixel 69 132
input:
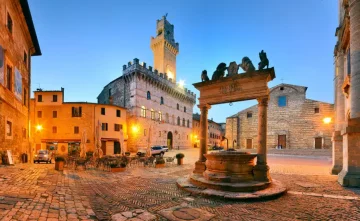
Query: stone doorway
pixel 249 144
pixel 318 142
pixel 170 140
pixel 117 147
pixel 282 141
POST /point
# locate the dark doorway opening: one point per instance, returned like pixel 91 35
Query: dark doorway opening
pixel 282 141
pixel 117 147
pixel 170 140
pixel 318 142
pixel 248 143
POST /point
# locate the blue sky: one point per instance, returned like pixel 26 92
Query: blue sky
pixel 85 42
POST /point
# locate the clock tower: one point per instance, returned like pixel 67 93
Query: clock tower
pixel 165 48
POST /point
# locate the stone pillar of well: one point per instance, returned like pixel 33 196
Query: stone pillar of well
pixel 350 174
pixel 261 169
pixel 200 164
pixel 337 141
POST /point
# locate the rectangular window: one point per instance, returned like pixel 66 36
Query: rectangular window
pixel 39 114
pixel 117 127
pixel 317 110
pixel 144 132
pixel 54 130
pixel 39 98
pixel 282 101
pixel 24 133
pixel 76 130
pixel 55 98
pixel 118 113
pixel 152 115
pixel 249 115
pixel 8 128
pixel 159 133
pixel 143 112
pixel 76 111
pixel 104 126
pixel 54 114
pixel 25 58
pixel 9 23
pixel 103 111
pixel 110 92
pixel 9 77
pixel 25 97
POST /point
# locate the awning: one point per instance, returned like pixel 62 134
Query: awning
pixel 109 139
pixel 60 140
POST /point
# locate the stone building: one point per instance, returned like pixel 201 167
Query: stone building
pixel 63 125
pixel 346 136
pixel 293 121
pixel 18 42
pixel 159 109
pixel 215 132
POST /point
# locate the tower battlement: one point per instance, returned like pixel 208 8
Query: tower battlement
pixel 136 66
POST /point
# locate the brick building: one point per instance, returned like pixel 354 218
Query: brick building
pixel 293 121
pixel 18 42
pixel 62 125
pixel 215 132
pixel 159 109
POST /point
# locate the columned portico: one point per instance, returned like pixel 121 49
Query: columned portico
pixel 200 164
pixel 350 174
pixel 261 170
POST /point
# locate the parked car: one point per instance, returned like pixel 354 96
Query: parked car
pixel 215 147
pixel 155 150
pixel 165 148
pixel 43 156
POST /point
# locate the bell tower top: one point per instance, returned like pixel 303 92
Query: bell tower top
pixel 165 48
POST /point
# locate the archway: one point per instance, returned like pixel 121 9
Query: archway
pixel 170 140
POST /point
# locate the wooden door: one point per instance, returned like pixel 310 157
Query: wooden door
pixel 282 141
pixel 248 143
pixel 318 142
pixel 103 147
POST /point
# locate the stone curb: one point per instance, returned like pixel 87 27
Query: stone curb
pixel 275 190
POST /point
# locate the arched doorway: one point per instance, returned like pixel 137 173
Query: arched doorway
pixel 170 140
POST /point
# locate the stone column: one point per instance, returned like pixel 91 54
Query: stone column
pixel 261 170
pixel 337 142
pixel 200 164
pixel 350 174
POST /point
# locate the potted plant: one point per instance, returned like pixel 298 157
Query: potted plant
pixel 118 167
pixel 89 154
pixel 59 163
pixel 160 163
pixel 127 154
pixel 180 157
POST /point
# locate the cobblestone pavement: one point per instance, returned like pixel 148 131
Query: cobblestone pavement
pixel 38 192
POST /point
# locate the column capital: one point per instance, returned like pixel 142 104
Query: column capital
pixel 207 106
pixel 263 101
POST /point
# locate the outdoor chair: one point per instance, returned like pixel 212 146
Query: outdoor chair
pixel 170 160
pixel 149 161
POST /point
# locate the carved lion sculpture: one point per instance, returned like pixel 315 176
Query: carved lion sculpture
pixel 264 61
pixel 204 76
pixel 247 65
pixel 220 72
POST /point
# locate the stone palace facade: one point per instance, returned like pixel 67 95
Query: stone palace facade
pixel 159 109
pixel 293 121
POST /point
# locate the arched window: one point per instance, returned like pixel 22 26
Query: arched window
pixel 185 109
pixel 161 100
pixel 143 111
pixel 188 123
pixel 160 116
pixel 177 106
pixel 178 121
pixel 148 95
pixel 173 119
pixel 167 117
pixel 152 114
pixel 183 122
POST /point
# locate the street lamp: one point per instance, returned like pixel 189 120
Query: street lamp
pixel 39 127
pixel 327 120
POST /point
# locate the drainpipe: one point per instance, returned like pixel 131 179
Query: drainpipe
pixel 28 105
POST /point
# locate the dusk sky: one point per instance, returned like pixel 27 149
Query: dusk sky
pixel 84 43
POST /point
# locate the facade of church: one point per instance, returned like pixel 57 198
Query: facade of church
pixel 159 109
pixel 294 122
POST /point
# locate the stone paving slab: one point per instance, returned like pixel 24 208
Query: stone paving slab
pixel 38 192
